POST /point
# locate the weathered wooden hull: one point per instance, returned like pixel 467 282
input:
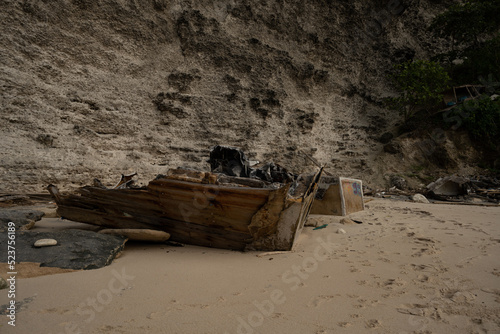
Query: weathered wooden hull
pixel 213 215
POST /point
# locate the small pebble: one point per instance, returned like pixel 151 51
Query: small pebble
pixel 45 242
pixel 341 231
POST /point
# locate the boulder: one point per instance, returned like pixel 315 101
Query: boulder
pixel 392 148
pixel 398 182
pixel 386 138
pixel 419 198
pixel 139 234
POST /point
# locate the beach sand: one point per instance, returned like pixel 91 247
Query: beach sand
pixel 408 268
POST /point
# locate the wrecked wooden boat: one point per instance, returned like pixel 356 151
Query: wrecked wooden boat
pixel 200 208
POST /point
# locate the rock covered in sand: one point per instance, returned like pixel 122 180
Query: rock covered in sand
pixel 347 221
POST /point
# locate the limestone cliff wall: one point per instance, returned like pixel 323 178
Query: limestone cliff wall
pixel 96 88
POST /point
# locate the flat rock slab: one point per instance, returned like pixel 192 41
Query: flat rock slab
pixel 23 218
pixel 139 234
pixel 76 249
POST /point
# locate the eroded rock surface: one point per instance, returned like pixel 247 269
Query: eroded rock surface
pixel 76 249
pixel 24 219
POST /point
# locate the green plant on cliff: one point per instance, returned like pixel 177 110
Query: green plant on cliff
pixel 420 84
pixel 482 120
pixel 473 27
pixel 468 22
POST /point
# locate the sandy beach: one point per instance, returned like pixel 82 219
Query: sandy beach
pixel 407 268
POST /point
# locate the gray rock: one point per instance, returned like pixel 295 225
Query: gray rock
pixel 76 249
pixel 386 138
pixel 45 139
pixel 419 198
pixel 398 182
pixel 341 231
pixel 24 219
pixel 45 242
pixel 392 148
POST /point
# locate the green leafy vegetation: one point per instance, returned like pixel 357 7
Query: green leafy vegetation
pixel 483 120
pixel 420 84
pixel 473 27
pixel 468 22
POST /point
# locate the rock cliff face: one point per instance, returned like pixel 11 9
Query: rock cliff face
pixel 96 88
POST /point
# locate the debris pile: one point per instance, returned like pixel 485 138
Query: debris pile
pixel 480 190
pixel 456 189
pixel 448 186
pixel 233 162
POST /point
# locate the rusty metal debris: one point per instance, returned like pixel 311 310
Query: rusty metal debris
pixel 448 186
pixel 460 189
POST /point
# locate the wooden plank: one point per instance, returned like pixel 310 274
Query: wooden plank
pixel 138 203
pixel 208 204
pixel 8 198
pixel 284 233
pixel 352 193
pixel 179 231
pixel 342 197
pixel 147 209
pixel 330 204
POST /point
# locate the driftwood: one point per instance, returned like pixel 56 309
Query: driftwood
pixel 484 198
pixel 314 161
pixel 138 234
pixel 13 198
